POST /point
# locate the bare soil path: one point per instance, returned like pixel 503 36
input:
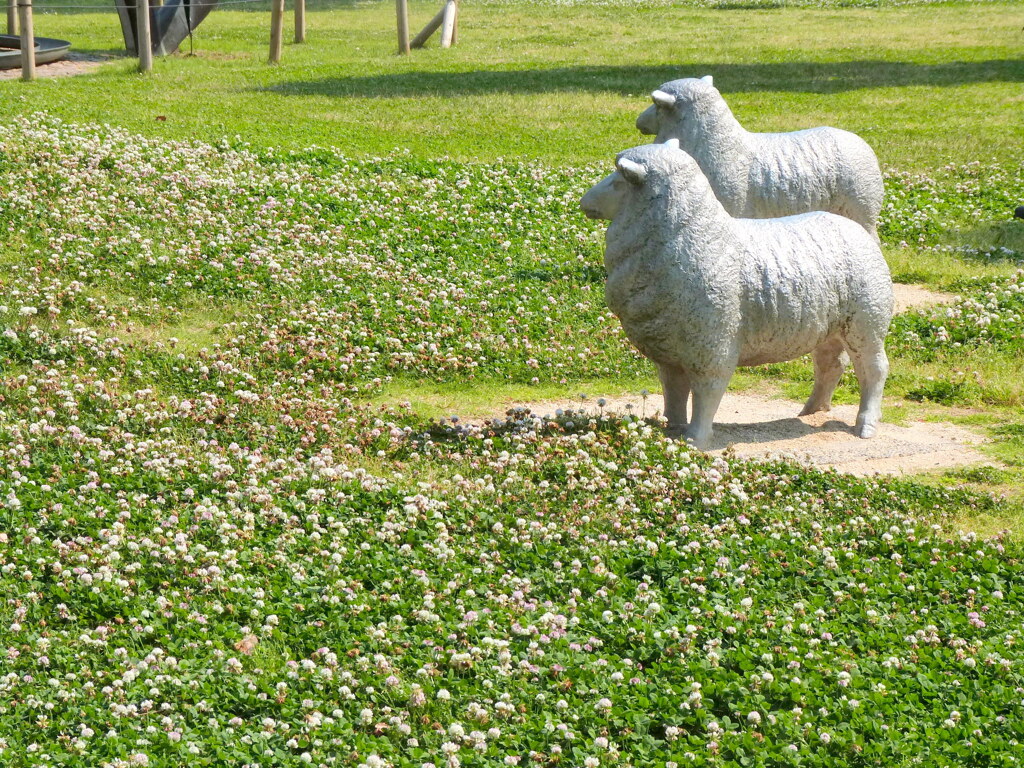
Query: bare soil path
pixel 70 65
pixel 760 426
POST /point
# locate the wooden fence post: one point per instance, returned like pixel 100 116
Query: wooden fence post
pixel 448 25
pixel 28 41
pixel 144 37
pixel 12 17
pixel 300 21
pixel 427 31
pixel 402 9
pixel 276 30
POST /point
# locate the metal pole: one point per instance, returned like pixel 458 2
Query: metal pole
pixel 402 8
pixel 28 41
pixel 145 37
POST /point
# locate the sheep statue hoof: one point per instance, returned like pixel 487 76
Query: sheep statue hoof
pixel 700 293
pixel 766 175
pixel 866 431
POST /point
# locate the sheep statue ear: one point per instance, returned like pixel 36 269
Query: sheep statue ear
pixel 708 79
pixel 634 173
pixel 662 99
pixel 672 143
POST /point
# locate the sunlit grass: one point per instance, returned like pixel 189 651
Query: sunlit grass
pixel 923 84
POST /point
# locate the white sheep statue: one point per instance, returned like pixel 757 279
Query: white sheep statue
pixel 766 175
pixel 700 292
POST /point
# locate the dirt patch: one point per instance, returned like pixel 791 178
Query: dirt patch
pixel 758 426
pixel 916 296
pixel 72 64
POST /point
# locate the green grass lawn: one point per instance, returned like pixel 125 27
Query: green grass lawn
pixel 226 542
pixel 925 85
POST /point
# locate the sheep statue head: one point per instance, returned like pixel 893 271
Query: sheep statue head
pixel 674 102
pixel 645 170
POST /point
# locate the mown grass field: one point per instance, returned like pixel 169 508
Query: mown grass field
pixel 231 534
pixel 925 84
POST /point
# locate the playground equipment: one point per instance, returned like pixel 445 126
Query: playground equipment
pixel 47 50
pixel 159 28
pixel 169 24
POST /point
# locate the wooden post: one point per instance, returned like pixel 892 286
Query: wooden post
pixel 144 37
pixel 455 27
pixel 28 41
pixel 12 17
pixel 276 30
pixel 448 25
pixel 427 31
pixel 300 21
pixel 402 9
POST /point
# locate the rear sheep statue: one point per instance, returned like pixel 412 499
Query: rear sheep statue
pixel 700 292
pixel 766 175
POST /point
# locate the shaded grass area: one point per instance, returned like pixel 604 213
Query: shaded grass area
pixel 924 84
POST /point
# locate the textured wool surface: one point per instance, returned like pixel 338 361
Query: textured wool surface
pixel 700 293
pixel 767 175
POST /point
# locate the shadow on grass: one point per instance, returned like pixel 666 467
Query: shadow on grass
pixel 809 77
pixel 91 7
pixel 1008 236
pixel 106 54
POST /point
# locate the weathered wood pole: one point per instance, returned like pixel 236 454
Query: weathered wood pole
pixel 144 38
pixel 427 31
pixel 28 41
pixel 402 9
pixel 448 25
pixel 276 30
pixel 300 21
pixel 455 28
pixel 12 17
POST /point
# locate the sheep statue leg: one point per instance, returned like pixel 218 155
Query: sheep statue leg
pixel 866 344
pixel 828 369
pixel 871 365
pixel 707 396
pixel 675 385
